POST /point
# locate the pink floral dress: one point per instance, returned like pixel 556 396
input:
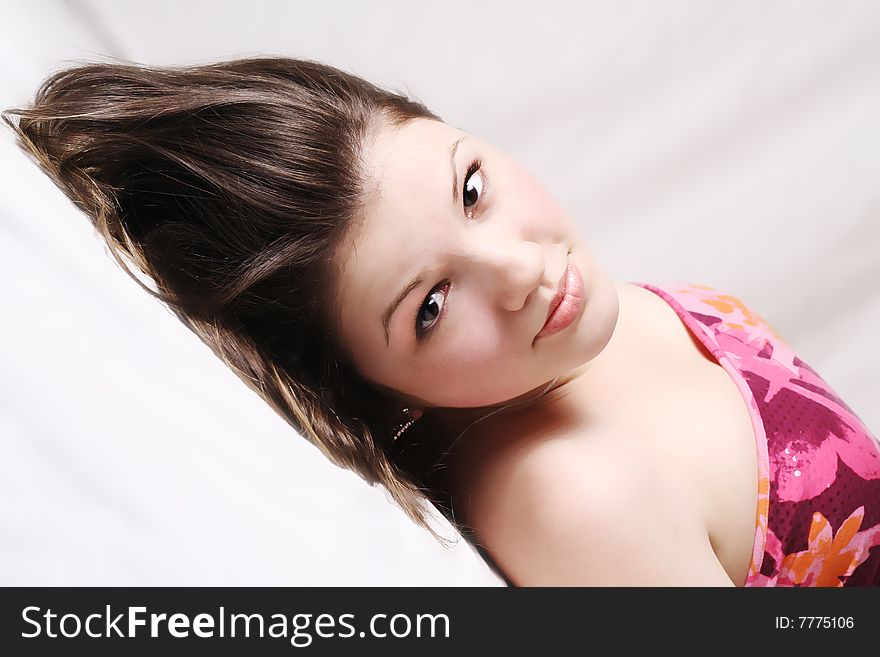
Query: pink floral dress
pixel 817 520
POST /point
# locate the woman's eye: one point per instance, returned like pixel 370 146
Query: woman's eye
pixel 430 311
pixel 473 187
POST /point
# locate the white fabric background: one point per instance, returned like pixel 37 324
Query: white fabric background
pixel 730 144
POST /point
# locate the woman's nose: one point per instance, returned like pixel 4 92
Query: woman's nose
pixel 513 270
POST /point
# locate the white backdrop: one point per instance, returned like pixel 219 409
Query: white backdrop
pixel 735 145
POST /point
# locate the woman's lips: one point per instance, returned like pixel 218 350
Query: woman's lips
pixel 567 302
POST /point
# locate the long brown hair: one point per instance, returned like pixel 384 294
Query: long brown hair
pixel 229 187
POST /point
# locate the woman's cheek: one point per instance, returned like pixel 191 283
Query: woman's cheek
pixel 476 347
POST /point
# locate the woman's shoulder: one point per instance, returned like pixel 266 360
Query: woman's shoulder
pixel 530 475
pixel 573 510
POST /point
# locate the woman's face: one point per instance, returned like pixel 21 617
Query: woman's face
pixel 461 250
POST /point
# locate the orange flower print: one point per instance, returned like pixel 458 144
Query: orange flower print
pixel 828 557
pixel 734 313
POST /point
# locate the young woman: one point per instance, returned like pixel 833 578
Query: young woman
pixel 416 305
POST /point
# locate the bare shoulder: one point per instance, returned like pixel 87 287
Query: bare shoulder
pixel 576 512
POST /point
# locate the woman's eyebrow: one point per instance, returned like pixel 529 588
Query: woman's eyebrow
pixel 420 277
pixel 403 294
pixel 452 152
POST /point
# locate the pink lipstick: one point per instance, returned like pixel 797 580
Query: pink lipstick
pixel 566 305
